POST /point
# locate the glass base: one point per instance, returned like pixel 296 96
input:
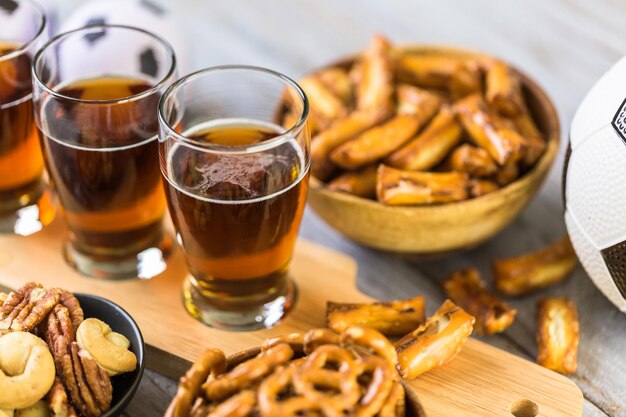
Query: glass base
pixel 145 264
pixel 259 317
pixel 30 218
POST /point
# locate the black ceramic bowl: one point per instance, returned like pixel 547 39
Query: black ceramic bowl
pixel 125 385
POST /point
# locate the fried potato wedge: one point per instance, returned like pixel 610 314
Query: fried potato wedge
pixel 399 187
pixel 557 334
pixel 394 318
pixel 326 107
pixel 467 289
pixel 374 89
pixel 337 80
pixel 340 132
pixel 479 187
pixel 434 343
pixel 533 271
pixel 376 143
pixel 488 131
pixel 361 183
pixel 504 91
pixel 431 146
pixel 417 101
pixel 472 160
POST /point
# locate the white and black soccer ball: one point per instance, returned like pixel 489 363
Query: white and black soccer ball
pixel 145 14
pixel 594 182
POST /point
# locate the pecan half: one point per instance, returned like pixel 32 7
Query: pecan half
pixel 26 307
pixel 58 403
pixel 76 312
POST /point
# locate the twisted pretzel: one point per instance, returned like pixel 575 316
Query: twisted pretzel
pixel 248 373
pixel 239 405
pixel 371 340
pixel 269 393
pixel 294 340
pixel 212 361
pixel 319 337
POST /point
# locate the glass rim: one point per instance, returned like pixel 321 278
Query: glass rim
pixel 61 36
pixel 277 140
pixel 25 46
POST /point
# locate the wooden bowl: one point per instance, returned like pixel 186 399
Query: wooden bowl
pixel 442 228
pixel 413 406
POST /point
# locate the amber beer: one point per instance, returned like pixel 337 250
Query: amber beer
pixel 103 161
pixel 21 162
pixel 238 217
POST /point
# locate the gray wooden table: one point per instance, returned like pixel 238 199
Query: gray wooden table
pixel 564 44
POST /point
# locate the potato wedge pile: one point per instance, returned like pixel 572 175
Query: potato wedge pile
pixel 417 128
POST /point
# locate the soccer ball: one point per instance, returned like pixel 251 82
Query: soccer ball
pixel 594 184
pixel 145 14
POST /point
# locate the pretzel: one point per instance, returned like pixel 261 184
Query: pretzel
pixel 239 405
pixel 489 131
pixel 472 160
pixel 361 183
pixel 478 187
pixel 247 373
pixel 212 361
pixel 394 405
pixel 399 187
pixel 26 370
pixel 377 142
pixel 557 334
pixel 326 107
pixel 507 173
pixel 536 270
pixel 375 87
pixel 340 132
pixel 417 101
pixel 395 318
pixel 269 393
pixel 504 90
pixel 371 340
pixel 431 146
pixel 436 342
pixel 319 337
pixel 337 80
pixel 314 374
pixel 294 340
pixel 535 143
pixel 26 307
pixel 468 290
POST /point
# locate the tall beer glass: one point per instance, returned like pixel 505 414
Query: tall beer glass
pixel 25 202
pixel 236 185
pixel 96 91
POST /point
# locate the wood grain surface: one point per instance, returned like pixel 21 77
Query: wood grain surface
pixel 564 44
pixel 482 381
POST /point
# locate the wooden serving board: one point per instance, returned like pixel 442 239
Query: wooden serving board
pixel 482 381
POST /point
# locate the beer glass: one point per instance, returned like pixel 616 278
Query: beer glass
pixel 236 185
pixel 25 202
pixel 96 91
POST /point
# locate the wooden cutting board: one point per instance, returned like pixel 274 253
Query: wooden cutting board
pixel 482 381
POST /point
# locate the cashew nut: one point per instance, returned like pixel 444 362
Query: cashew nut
pixel 39 409
pixel 108 348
